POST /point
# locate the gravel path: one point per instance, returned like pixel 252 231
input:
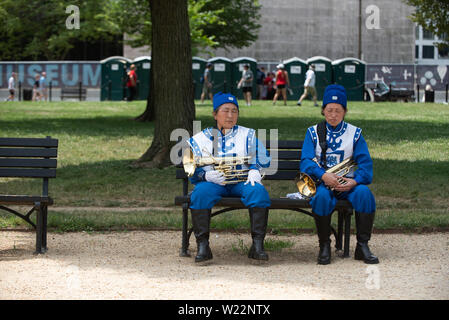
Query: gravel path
pixel 146 265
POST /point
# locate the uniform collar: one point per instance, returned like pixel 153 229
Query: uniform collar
pixel 337 128
pixel 231 132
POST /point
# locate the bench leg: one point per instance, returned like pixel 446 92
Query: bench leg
pixel 339 240
pixel 44 229
pixel 39 227
pixel 185 237
pixel 348 215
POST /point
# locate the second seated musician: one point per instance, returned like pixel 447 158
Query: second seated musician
pixel 343 141
pixel 227 139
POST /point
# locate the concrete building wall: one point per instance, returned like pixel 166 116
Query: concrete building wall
pixel 330 28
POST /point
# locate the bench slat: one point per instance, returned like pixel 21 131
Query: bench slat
pixel 73 90
pixel 20 199
pixel 276 203
pixel 28 142
pixel 287 155
pixel 28 163
pixel 285 144
pixel 28 152
pixel 28 173
pixel 287 165
pixel 283 175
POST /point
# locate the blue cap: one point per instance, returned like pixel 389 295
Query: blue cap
pixel 222 98
pixel 335 93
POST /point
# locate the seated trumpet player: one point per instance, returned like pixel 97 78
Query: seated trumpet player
pixel 235 145
pixel 343 142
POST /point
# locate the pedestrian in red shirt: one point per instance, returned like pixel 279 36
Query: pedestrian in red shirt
pixel 281 83
pixel 132 83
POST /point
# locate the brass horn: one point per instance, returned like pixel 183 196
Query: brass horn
pixel 307 186
pixel 226 165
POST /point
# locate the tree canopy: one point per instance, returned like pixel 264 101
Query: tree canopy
pixel 36 29
pixel 432 15
pixel 213 23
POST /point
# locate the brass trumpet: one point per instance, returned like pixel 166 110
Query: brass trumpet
pixel 307 186
pixel 226 165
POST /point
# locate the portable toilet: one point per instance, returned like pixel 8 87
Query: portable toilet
pixel 198 66
pixel 237 69
pixel 143 67
pixel 221 74
pixel 350 73
pixel 113 78
pixel 296 69
pixel 323 73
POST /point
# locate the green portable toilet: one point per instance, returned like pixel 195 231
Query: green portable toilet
pixel 143 67
pixel 113 77
pixel 296 69
pixel 237 69
pixel 350 73
pixel 323 73
pixel 198 66
pixel 221 74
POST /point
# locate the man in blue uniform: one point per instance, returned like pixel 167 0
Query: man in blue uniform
pixel 227 139
pixel 343 141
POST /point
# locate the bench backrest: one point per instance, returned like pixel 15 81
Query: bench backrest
pixel 29 158
pixel 73 90
pixel 288 158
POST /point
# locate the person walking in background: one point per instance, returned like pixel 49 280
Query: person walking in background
pixel 36 91
pixel 207 83
pixel 261 92
pixel 43 86
pixel 268 84
pixel 282 82
pixel 246 83
pixel 132 83
pixel 309 86
pixel 12 86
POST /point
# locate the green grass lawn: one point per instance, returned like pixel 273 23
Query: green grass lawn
pixel 98 141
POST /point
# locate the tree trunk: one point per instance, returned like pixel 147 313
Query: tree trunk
pixel 171 95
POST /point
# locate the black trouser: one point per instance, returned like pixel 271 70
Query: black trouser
pixel 132 91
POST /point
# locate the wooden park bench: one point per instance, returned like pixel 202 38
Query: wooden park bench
pixel 74 93
pixel 289 156
pixel 29 158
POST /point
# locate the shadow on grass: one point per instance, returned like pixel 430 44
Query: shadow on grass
pixel 383 131
pixel 113 126
pixel 294 128
pixel 116 183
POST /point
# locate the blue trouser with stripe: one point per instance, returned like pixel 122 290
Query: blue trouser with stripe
pixel 206 194
pixel 361 198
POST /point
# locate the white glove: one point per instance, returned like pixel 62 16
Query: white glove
pixel 254 176
pixel 215 177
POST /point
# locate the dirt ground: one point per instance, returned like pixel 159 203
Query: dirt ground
pixel 147 265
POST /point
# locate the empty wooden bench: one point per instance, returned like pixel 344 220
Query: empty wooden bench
pixel 29 158
pixel 74 93
pixel 288 158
